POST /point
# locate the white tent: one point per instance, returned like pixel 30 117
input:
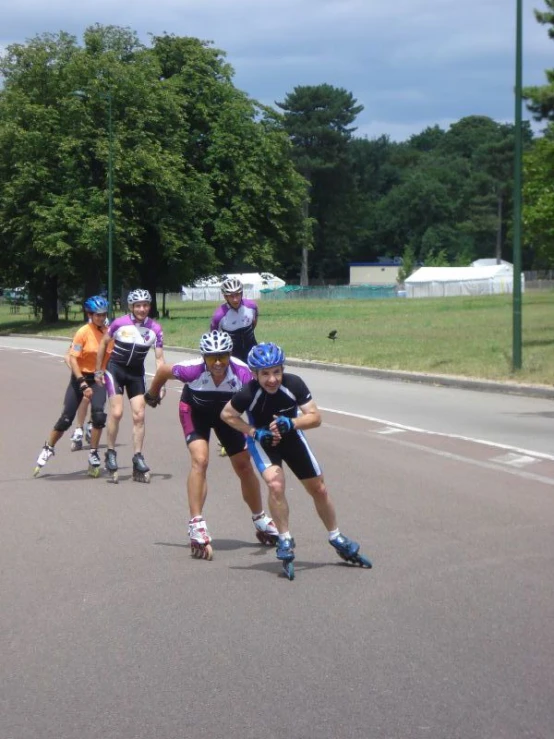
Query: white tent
pixel 434 282
pixel 209 288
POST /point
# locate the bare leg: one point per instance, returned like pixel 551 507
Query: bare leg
pixel 322 501
pixel 249 481
pixel 114 417
pixel 197 488
pixel 277 501
pixel 137 407
pixel 54 437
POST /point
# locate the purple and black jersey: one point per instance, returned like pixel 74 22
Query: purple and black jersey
pixel 239 324
pixel 201 392
pixel 132 341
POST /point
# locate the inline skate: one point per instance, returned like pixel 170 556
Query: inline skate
pixel 43 457
pixel 200 539
pixel 141 471
pixel 88 432
pixel 77 440
pixel 94 463
pixel 285 553
pixel 110 463
pixel 349 551
pixel 266 531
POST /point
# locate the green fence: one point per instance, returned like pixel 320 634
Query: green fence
pixel 330 292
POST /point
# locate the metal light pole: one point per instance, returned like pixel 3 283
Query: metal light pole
pixel 108 97
pixel 110 206
pixel 516 348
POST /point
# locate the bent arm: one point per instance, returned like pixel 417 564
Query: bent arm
pixel 102 350
pixel 234 419
pixel 159 355
pixel 309 419
pixel 163 374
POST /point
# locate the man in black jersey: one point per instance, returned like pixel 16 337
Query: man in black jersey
pixel 275 434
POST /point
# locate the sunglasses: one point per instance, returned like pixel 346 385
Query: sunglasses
pixel 213 358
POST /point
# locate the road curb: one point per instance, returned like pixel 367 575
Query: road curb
pixel 453 381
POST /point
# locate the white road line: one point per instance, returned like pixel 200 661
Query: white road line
pixel 390 430
pixel 387 424
pixel 484 464
pixel 496 445
pixel 515 460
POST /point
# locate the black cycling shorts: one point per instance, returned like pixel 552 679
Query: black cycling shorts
pixel 120 378
pixel 292 449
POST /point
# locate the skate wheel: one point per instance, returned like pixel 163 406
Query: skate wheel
pixel 93 471
pixel 268 540
pixel 75 447
pixel 288 569
pixel 36 471
pixel 202 552
pixel 112 476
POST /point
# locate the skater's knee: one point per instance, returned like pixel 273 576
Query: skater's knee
pixel 276 488
pixel 138 417
pixel 200 464
pixel 63 423
pixel 98 419
pixel 317 489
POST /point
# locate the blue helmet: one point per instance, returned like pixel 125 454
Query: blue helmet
pixel 264 356
pixel 96 304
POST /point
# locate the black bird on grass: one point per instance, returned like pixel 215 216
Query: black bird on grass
pixel 332 335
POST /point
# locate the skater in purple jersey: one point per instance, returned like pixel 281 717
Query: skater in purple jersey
pixel 279 408
pixel 133 336
pixel 238 317
pixel 209 382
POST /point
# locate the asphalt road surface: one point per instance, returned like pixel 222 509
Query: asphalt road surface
pixel 110 630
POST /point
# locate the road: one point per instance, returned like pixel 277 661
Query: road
pixel 111 630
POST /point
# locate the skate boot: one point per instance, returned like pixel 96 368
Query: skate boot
pixel 110 463
pixel 77 439
pixel 141 471
pixel 94 463
pixel 266 531
pixel 200 546
pixel 88 432
pixel 43 457
pixel 349 551
pixel 285 553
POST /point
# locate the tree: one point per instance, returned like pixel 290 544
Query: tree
pixel 203 176
pixel 319 121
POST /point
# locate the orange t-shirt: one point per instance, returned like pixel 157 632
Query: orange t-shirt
pixel 85 347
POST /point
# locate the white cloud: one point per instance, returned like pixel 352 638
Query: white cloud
pixel 411 63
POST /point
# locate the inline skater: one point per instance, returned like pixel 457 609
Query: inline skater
pixel 275 434
pixel 133 335
pixel 82 425
pixel 238 317
pixel 209 383
pixel 82 360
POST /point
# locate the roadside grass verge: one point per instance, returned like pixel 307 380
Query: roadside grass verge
pixel 467 336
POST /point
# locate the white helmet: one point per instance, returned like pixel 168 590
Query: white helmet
pixel 231 286
pixel 139 296
pixel 216 342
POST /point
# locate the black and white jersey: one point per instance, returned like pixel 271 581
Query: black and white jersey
pixel 261 407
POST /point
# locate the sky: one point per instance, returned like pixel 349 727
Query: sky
pixel 410 63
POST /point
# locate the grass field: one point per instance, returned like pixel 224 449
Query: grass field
pixel 469 336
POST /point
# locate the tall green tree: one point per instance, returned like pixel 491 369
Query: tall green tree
pixel 319 122
pixel 203 176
